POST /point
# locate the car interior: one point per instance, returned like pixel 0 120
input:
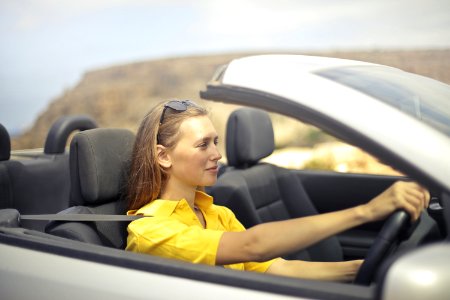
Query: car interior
pixel 261 192
pixel 40 183
pixel 91 177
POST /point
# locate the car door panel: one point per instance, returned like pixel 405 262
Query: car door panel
pixel 331 191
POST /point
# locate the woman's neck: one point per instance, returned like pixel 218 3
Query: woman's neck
pixel 177 192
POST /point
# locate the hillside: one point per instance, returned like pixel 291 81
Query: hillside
pixel 119 96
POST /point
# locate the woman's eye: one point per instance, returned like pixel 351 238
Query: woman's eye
pixel 206 143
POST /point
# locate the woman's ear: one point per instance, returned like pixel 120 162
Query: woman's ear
pixel 163 157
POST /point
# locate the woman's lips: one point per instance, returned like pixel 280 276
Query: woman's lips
pixel 213 169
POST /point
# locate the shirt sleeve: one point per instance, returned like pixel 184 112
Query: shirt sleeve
pixel 235 225
pixel 171 238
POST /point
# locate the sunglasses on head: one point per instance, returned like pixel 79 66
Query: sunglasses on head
pixel 176 105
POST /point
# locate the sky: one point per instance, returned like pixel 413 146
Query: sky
pixel 47 45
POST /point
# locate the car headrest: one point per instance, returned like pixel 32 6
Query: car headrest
pixel 56 140
pixel 249 137
pixel 99 162
pixel 5 143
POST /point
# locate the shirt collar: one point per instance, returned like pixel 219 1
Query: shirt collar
pixel 165 208
pixel 203 200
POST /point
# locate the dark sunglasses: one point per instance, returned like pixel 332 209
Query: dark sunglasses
pixel 176 105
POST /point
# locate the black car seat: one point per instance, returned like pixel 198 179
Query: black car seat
pixel 99 161
pixel 39 184
pixel 5 181
pixel 5 143
pixel 260 192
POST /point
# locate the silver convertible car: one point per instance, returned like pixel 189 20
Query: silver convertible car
pixel 62 223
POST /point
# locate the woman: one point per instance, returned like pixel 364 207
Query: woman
pixel 176 154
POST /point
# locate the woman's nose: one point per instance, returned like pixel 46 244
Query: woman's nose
pixel 216 154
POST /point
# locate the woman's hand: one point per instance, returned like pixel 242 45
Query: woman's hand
pixel 408 196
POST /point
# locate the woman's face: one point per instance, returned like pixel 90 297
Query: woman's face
pixel 194 158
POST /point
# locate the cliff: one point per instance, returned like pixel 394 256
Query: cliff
pixel 119 96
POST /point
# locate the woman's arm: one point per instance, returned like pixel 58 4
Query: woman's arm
pixel 344 271
pixel 269 240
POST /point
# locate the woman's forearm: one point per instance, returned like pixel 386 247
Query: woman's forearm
pixel 344 271
pixel 276 239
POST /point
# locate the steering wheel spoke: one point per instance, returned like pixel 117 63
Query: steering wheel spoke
pixel 389 236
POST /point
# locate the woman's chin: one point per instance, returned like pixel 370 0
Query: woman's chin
pixel 210 182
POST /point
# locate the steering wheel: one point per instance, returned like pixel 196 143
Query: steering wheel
pixel 388 236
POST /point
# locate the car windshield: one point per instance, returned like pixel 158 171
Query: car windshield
pixel 425 99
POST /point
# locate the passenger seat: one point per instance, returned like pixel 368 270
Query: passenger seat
pixel 260 192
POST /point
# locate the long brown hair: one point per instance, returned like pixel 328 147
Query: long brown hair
pixel 147 178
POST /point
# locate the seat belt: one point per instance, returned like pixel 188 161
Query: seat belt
pixel 81 217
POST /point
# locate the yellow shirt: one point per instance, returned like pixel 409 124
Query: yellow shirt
pixel 174 231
